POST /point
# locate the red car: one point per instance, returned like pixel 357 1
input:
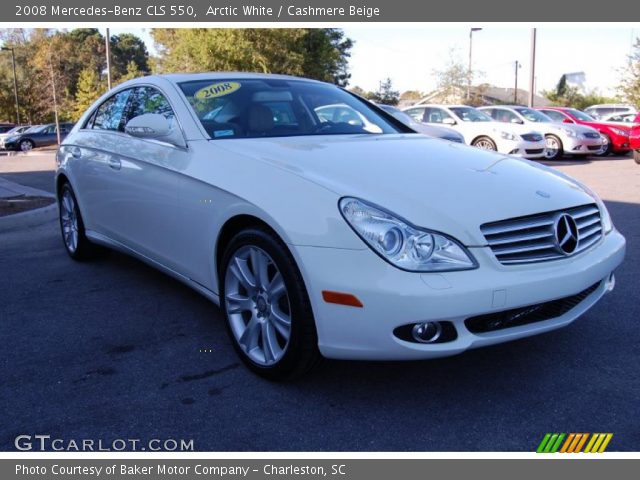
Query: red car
pixel 617 135
pixel 634 141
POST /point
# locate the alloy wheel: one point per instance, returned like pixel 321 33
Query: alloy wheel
pixel 69 220
pixel 485 145
pixel 25 146
pixel 552 148
pixel 257 305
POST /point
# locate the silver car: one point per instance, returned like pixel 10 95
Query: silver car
pixel 444 133
pixel 560 138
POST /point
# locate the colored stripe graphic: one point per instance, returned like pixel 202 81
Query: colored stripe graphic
pixel 574 442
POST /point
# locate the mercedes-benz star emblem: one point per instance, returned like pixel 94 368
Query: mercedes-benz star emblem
pixel 566 234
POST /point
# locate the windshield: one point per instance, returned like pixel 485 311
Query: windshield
pixel 35 128
pixel 16 130
pixel 533 115
pixel 468 114
pixel 250 108
pixel 581 115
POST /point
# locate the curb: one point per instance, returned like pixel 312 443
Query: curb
pixel 30 218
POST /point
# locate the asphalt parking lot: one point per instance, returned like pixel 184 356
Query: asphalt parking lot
pixel 113 349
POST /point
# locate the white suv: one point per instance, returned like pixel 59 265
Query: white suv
pixel 561 138
pixel 479 130
pixel 600 111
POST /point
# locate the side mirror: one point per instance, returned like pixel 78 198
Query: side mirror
pixel 567 120
pixel 448 121
pixel 517 120
pixel 154 126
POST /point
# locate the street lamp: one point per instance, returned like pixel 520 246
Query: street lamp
pixel 532 79
pixel 15 81
pixel 471 30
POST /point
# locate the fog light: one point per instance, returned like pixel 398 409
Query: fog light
pixel 427 332
pixel 611 283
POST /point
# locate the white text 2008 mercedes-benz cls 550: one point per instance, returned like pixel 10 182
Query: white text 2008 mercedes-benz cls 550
pixel 333 232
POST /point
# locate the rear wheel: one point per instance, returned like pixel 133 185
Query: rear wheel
pixel 266 306
pixel 554 149
pixel 485 143
pixel 636 156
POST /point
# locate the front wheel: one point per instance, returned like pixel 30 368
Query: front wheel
pixel 636 156
pixel 75 241
pixel 26 145
pixel 485 143
pixel 608 147
pixel 266 306
pixel 554 149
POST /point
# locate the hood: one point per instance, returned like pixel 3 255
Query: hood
pixel 438 185
pixel 569 126
pixel 605 125
pixel 437 131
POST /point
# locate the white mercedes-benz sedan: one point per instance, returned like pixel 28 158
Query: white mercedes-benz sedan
pixel 321 237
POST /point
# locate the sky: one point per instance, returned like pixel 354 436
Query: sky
pixel 409 55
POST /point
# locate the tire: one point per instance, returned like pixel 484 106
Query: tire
pixel 74 239
pixel 254 309
pixel 607 150
pixel 26 145
pixel 636 156
pixel 554 149
pixel 485 143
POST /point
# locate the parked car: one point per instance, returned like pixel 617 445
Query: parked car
pixel 598 112
pixel 14 131
pixel 436 131
pixel 5 127
pixel 37 136
pixel 623 118
pixel 560 138
pixel 321 238
pixel 479 130
pixel 341 113
pixel 616 136
pixel 634 140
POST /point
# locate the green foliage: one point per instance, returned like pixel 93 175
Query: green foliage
pixel 565 95
pixel 316 53
pixel 412 95
pixel 88 91
pixel 629 87
pixel 385 94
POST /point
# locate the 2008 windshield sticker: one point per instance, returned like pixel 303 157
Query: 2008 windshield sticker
pixel 217 90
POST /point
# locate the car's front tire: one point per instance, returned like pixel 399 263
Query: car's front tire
pixel 26 145
pixel 75 241
pixel 608 149
pixel 554 149
pixel 266 306
pixel 485 143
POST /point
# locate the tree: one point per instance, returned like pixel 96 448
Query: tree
pixel 629 87
pixel 454 77
pixel 131 72
pixel 565 95
pixel 88 91
pixel 315 53
pixel 412 95
pixel 127 48
pixel 386 94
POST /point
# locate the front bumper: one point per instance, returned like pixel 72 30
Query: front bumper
pixel 522 148
pixel 582 146
pixel 392 298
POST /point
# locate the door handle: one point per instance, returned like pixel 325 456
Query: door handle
pixel 114 163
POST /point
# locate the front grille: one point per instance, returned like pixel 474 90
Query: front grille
pixel 533 238
pixel 591 135
pixel 532 137
pixel 535 151
pixel 525 315
pixel 593 148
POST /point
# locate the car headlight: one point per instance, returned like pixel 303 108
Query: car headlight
pixel 508 136
pixel 569 132
pixel 605 218
pixel 10 139
pixel 401 244
pixel 619 131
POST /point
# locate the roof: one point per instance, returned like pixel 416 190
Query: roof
pixel 185 77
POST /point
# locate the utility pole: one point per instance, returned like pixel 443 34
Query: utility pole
pixel 108 52
pixel 471 30
pixel 515 91
pixel 532 79
pixel 15 82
